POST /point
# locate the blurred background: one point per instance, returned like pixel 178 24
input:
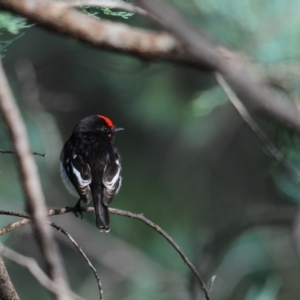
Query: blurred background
pixel 190 163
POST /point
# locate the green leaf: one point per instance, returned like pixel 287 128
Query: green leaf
pixel 12 23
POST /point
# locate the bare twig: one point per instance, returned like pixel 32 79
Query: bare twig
pixel 241 109
pixel 115 255
pixel 121 213
pixel 27 218
pixel 60 229
pixel 34 269
pixel 169 239
pixel 12 152
pixel 7 289
pixel 52 212
pixel 31 185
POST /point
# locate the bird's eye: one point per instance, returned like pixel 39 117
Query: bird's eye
pixel 105 129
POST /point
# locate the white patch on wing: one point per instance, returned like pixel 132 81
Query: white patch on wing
pixel 68 184
pixel 81 182
pixel 110 184
pixel 74 156
pixel 120 183
pixel 104 230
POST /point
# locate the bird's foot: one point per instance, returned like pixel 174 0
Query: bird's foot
pixel 77 210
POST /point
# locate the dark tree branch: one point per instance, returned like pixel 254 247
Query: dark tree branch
pixel 52 212
pixel 170 240
pixel 12 152
pixel 31 185
pixel 109 35
pixel 27 219
pixel 244 76
pixel 195 43
pixel 187 46
pixel 7 289
pixel 140 217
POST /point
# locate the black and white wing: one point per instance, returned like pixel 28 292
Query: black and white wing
pixel 111 181
pixel 76 175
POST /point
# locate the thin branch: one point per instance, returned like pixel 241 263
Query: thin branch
pixel 27 219
pixel 12 152
pixel 52 212
pixel 60 229
pixel 169 239
pixel 31 185
pixel 7 289
pixel 140 217
pixel 32 266
pixel 241 109
pixel 113 252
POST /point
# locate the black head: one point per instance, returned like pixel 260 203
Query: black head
pixel 97 123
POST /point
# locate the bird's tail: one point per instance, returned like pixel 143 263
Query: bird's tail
pixel 101 212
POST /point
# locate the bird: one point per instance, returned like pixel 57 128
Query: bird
pixel 90 166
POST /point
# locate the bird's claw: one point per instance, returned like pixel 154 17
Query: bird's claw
pixel 77 210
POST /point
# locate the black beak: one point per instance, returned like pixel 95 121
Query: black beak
pixel 115 129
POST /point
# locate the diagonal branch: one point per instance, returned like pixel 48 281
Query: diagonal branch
pixel 185 45
pixel 34 269
pixel 245 77
pixel 12 152
pixel 7 289
pixel 238 105
pixel 170 240
pixel 52 212
pixel 31 185
pixel 140 217
pixel 63 231
pixel 107 34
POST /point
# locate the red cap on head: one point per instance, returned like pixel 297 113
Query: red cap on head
pixel 107 120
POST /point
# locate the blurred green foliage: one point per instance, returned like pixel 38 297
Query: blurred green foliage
pixel 122 14
pixel 96 12
pixel 190 164
pixel 12 24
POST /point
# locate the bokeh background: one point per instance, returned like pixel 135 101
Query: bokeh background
pixel 190 163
